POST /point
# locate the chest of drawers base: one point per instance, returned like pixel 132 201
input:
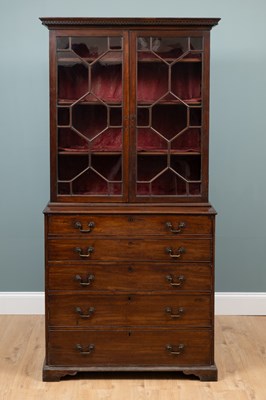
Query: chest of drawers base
pixel 130 291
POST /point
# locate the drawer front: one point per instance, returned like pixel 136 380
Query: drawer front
pixel 132 309
pixel 129 277
pixel 122 348
pixel 93 225
pixel 126 249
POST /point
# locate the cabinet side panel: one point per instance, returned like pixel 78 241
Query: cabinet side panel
pixel 53 117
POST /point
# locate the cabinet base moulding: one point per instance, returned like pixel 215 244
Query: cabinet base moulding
pixel 204 373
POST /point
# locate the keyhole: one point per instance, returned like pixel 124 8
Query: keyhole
pixel 129 298
pixel 129 333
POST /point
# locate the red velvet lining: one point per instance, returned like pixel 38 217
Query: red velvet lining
pixel 168 121
pixel 153 81
pixel 106 82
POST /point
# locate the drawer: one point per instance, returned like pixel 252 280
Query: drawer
pixel 128 277
pixel 166 249
pixel 129 348
pixel 128 225
pixel 84 310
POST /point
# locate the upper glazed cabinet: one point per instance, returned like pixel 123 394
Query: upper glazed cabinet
pixel 129 113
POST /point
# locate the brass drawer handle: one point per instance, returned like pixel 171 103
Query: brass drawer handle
pixel 85 282
pixel 180 349
pixel 179 251
pixel 180 278
pixel 178 229
pixel 78 225
pixel 87 255
pixel 82 315
pixel 179 314
pixel 89 350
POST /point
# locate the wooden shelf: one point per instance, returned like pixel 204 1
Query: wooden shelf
pixel 168 102
pixel 169 60
pixel 119 152
pixel 114 60
pixel 67 102
pixel 164 153
pixel 88 152
pixel 77 60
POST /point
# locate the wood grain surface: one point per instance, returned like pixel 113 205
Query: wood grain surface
pixel 240 357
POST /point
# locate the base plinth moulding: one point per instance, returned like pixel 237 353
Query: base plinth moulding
pixel 204 373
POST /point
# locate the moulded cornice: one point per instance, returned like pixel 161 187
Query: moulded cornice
pixel 53 23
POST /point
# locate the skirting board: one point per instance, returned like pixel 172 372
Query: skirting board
pixel 226 303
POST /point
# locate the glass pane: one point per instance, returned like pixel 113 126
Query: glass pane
pixel 71 141
pixel 187 167
pixel 143 117
pixel 90 183
pixel 89 47
pixel 169 116
pixel 194 189
pixel 169 120
pixel 62 42
pixel 168 184
pixel 196 43
pixel 150 166
pixel 69 167
pixel 152 81
pixel 168 48
pixel 195 116
pixel 64 188
pixel 150 140
pixel 90 120
pixel 106 78
pixel 63 116
pixel 108 166
pixel 102 178
pixel 187 141
pixel 72 81
pixel 115 116
pixel 109 140
pixel 115 43
pixel 89 115
pixel 186 81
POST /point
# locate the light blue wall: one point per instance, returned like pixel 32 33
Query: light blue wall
pixel 238 131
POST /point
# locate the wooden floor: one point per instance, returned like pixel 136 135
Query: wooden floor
pixel 240 358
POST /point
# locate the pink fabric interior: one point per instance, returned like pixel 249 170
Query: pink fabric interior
pixel 168 121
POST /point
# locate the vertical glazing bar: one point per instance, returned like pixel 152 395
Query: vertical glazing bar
pixel 187 188
pixel 70 116
pixel 108 115
pixel 150 189
pixel 169 77
pixel 89 78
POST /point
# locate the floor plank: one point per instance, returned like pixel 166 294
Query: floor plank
pixel 240 357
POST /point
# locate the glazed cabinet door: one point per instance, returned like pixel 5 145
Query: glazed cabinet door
pixel 169 83
pixel 129 115
pixel 89 115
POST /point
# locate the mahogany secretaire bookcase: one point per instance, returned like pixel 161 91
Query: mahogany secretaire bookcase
pixel 129 231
